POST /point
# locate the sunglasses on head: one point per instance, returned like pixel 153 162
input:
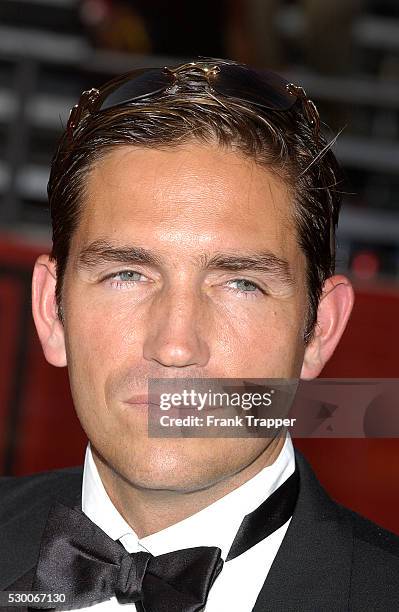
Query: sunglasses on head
pixel 264 89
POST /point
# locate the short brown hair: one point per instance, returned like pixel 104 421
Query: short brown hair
pixel 283 141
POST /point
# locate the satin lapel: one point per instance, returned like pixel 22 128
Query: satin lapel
pixel 21 536
pixel 312 569
pixel 24 583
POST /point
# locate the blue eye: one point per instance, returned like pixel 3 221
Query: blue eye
pixel 126 276
pixel 124 279
pixel 246 285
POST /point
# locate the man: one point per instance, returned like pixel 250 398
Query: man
pixel 193 215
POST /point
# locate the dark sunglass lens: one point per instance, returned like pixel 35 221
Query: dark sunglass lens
pixel 135 85
pixel 262 88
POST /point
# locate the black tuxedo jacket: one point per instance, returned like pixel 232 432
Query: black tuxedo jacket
pixel 331 559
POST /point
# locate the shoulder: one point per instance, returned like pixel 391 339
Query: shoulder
pixel 367 535
pixel 375 564
pixel 24 506
pixel 368 551
pixel 372 541
pixel 373 536
pixel 23 492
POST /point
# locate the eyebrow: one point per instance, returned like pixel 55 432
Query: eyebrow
pixel 102 252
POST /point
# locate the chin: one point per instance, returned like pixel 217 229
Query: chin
pixel 168 465
pixel 163 477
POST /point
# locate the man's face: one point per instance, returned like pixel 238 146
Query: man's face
pixel 182 312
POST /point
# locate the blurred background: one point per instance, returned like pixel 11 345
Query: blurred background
pixel 345 53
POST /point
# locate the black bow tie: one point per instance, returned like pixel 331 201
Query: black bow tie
pixel 80 560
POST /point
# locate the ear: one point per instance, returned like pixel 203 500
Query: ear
pixel 335 307
pixel 44 309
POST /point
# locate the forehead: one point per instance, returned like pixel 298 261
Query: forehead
pixel 194 190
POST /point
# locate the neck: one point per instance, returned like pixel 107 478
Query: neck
pixel 148 511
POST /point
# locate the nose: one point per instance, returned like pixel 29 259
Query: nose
pixel 178 326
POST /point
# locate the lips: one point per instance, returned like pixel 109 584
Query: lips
pixel 143 399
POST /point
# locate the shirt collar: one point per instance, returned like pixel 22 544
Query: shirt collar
pixel 96 503
pixel 215 525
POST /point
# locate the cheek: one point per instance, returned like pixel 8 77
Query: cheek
pixel 99 335
pixel 269 346
pixel 95 346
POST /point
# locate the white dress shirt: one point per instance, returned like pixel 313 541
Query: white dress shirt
pixel 215 525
